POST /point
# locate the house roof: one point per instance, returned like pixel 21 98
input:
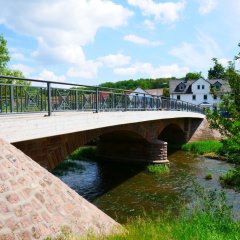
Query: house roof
pixel 174 86
pixel 225 85
pixel 158 91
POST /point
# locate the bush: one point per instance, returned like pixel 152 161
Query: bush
pixel 232 178
pixel 211 220
pixel 232 149
pixel 83 153
pixel 157 168
pixel 202 147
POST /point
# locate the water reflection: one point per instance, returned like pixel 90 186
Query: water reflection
pixel 124 190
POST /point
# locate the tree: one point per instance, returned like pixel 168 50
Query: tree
pixel 226 118
pixel 4 59
pixel 193 75
pixel 217 72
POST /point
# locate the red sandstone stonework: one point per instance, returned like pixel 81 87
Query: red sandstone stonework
pixel 35 204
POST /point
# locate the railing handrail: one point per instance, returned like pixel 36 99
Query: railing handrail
pixel 97 90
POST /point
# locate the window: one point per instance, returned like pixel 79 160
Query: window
pixel 203 86
pixel 178 97
pixel 198 86
pixel 181 87
pixel 205 97
pixel 215 97
pixel 217 87
pixel 193 97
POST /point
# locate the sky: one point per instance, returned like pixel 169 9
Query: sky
pixel 94 41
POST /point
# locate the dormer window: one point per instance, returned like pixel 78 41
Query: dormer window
pixel 217 86
pixel 181 86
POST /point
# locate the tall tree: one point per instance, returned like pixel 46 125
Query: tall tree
pixel 193 75
pixel 217 72
pixel 4 59
pixel 226 118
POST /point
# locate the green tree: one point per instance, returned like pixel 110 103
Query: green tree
pixel 226 118
pixel 217 72
pixel 4 59
pixel 193 75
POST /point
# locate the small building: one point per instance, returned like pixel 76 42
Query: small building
pixel 198 92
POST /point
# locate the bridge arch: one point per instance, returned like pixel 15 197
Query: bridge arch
pixel 173 133
pixel 124 145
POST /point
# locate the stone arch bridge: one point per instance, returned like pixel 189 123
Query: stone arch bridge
pixel 131 136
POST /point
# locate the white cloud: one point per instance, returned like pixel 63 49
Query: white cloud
pixel 23 68
pixel 17 56
pixel 147 70
pixel 115 60
pixel 86 69
pixel 62 28
pixel 51 76
pixel 198 55
pixel 206 6
pixel 149 24
pixel 141 41
pixel 167 12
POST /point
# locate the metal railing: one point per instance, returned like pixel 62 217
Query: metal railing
pixel 57 96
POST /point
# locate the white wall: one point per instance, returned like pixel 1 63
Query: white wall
pixel 199 93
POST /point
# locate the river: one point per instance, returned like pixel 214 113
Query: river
pixel 124 190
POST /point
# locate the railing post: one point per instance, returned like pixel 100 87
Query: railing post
pixel 76 100
pixel 97 103
pixel 125 100
pixel 49 99
pixel 11 99
pixel 144 102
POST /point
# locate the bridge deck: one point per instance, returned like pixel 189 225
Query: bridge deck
pixel 16 128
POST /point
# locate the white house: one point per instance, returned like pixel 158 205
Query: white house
pixel 198 91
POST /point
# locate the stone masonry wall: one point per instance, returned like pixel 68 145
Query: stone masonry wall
pixel 35 204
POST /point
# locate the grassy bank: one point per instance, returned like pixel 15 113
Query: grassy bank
pixel 158 169
pixel 231 178
pixel 204 147
pixel 83 153
pixel 211 219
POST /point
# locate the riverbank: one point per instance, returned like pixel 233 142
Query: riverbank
pixel 214 149
pixel 211 219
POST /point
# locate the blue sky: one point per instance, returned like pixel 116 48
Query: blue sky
pixel 94 41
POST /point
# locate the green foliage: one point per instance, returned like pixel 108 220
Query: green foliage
pixel 193 75
pixel 226 118
pixel 166 92
pixel 202 147
pixel 211 219
pixel 66 165
pixel 209 176
pixel 217 72
pixel 4 70
pixel 158 169
pixel 143 83
pixel 83 153
pixel 231 178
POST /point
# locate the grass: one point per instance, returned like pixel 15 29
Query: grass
pixel 231 178
pixel 66 165
pixel 158 169
pixel 209 176
pixel 211 220
pixel 84 153
pixel 203 147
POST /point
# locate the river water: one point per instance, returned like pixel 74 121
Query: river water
pixel 124 190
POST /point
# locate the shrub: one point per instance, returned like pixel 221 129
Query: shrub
pixel 231 178
pixel 157 168
pixel 202 147
pixel 83 153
